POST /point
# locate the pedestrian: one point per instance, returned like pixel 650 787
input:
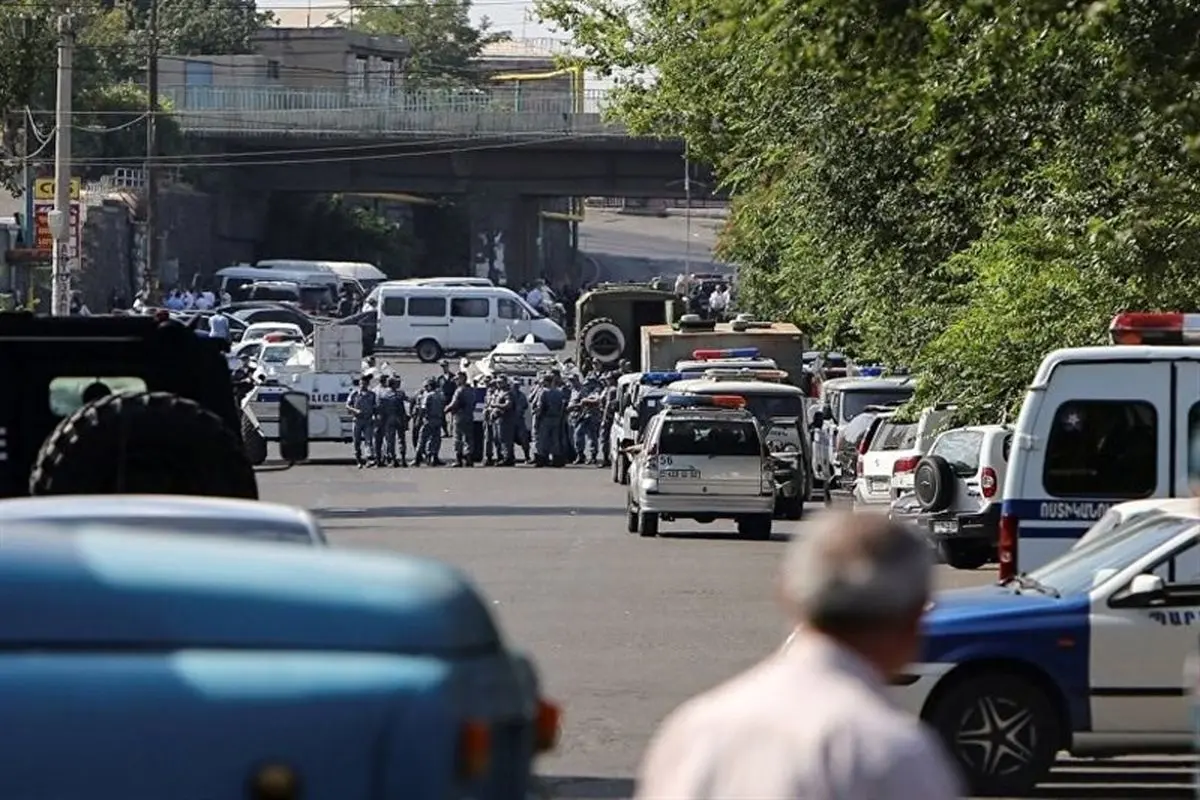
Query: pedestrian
pixel 815 721
pixel 586 402
pixel 447 385
pixel 548 412
pixel 491 430
pixel 417 417
pixel 400 436
pixel 361 405
pixel 461 410
pixel 521 402
pixel 387 420
pixel 506 421
pixel 432 413
pixel 608 415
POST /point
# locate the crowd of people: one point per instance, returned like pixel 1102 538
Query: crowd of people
pixel 563 419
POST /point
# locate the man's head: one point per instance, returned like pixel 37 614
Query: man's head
pixel 461 379
pixel 863 580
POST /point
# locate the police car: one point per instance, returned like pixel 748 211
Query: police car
pixel 1099 426
pixel 1085 654
pixel 639 398
pixel 703 458
pixel 736 357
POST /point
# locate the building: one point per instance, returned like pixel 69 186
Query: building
pixel 530 71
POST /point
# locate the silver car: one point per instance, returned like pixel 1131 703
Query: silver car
pixel 203 516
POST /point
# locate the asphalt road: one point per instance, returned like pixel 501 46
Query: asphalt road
pixel 623 629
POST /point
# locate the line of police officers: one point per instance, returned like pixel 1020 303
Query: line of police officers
pixel 571 417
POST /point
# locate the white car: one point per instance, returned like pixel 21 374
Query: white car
pixel 703 458
pixel 203 516
pixel 282 331
pixel 1085 654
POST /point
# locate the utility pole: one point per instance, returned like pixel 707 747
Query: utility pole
pixel 687 212
pixel 59 220
pixel 151 168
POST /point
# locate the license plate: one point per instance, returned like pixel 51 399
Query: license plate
pixel 945 527
pixel 880 485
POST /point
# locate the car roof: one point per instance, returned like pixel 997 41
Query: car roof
pixel 706 386
pixel 147 505
pixel 1177 506
pixel 254 325
pixel 868 384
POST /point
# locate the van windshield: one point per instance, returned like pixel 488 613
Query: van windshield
pixel 774 406
pixel 709 437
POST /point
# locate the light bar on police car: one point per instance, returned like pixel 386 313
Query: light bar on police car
pixel 737 352
pixel 704 401
pixel 744 372
pixel 659 378
pixel 1154 327
pixel 870 372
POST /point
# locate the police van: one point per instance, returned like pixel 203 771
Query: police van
pixel 639 398
pixel 703 458
pixel 1100 426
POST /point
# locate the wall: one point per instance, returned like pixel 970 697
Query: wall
pixel 226 71
pixel 322 58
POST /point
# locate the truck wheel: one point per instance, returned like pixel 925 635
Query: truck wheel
pixel 757 527
pixel 603 341
pixel 1003 731
pixel 253 441
pixel 151 443
pixel 428 351
pixel 647 525
pixel 631 516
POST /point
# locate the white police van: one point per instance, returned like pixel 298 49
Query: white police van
pixel 639 398
pixel 1085 654
pixel 1099 426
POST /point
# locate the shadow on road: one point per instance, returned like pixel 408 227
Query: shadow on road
pixel 386 512
pixel 555 786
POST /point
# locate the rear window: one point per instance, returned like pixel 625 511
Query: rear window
pixel 766 406
pixel 895 436
pixel 961 449
pixel 709 437
pixel 855 402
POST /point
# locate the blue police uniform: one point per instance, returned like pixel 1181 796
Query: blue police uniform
pixel 362 403
pixel 548 414
pixel 462 411
pixel 433 409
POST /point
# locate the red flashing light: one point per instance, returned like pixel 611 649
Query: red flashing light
pixel 728 401
pixel 275 337
pixel 1155 327
pixel 736 352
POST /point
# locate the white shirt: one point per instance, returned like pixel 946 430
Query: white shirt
pixel 681 284
pixel 811 723
pixel 718 300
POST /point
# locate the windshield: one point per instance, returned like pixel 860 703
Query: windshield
pixel 773 406
pixel 709 438
pixel 1115 520
pixel 894 436
pixel 261 333
pixel 855 401
pixel 277 353
pixel 235 528
pixel 316 296
pixel 1075 571
pixel 961 449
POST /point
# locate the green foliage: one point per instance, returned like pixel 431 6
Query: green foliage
pixel 114 127
pixel 444 40
pixel 959 186
pixel 327 228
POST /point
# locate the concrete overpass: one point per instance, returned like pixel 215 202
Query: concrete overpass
pixel 496 142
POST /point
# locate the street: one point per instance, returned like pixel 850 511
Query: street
pixel 622 629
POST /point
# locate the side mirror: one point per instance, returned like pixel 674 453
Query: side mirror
pixel 1143 590
pixel 293 427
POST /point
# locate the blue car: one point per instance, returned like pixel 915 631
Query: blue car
pixel 144 666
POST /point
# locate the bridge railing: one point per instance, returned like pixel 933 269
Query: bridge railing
pixel 520 109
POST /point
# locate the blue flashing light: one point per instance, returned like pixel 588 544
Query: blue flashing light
pixel 659 378
pixel 736 352
pixel 870 372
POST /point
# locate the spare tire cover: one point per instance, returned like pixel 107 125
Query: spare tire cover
pixel 152 443
pixel 933 483
pixel 604 341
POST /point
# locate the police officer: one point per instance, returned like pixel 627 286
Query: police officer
pixel 522 433
pixel 589 422
pixel 506 421
pixel 548 408
pixel 389 412
pixel 433 409
pixel 448 386
pixel 402 419
pixel 573 391
pixel 361 404
pixel 491 415
pixel 608 415
pixel 461 409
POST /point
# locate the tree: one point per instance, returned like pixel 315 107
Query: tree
pixel 445 43
pixel 202 27
pixel 326 227
pixel 959 187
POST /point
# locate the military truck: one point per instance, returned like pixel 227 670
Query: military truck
pixel 663 346
pixel 117 405
pixel 608 320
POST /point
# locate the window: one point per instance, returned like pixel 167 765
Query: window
pixel 470 307
pixel 704 438
pixel 856 402
pixel 895 436
pixel 427 306
pixel 1194 444
pixel 961 450
pixel 273 70
pixel 509 309
pixel 774 406
pixel 1182 567
pixel 1102 448
pixel 393 306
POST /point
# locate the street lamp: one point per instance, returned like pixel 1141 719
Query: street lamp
pixel 687 212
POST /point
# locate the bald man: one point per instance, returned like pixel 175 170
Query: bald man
pixel 815 721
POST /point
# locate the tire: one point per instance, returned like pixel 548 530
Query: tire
pixel 647 525
pixel 1018 713
pixel 149 443
pixel 616 469
pixel 603 341
pixel 428 351
pixel 933 483
pixel 253 442
pixel 757 527
pixel 791 508
pixel 623 465
pixel 963 555
pixel 631 516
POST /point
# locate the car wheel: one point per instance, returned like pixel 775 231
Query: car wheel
pixel 962 555
pixel 253 441
pixel 793 508
pixel 647 525
pixel 616 469
pixel 1003 731
pixel 757 527
pixel 428 351
pixel 631 516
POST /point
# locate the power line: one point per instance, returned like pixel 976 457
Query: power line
pixel 365 5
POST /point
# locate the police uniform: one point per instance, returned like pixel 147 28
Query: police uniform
pixel 587 423
pixel 362 403
pixel 522 425
pixel 548 414
pixel 506 421
pixel 391 415
pixel 608 415
pixel 433 409
pixel 462 410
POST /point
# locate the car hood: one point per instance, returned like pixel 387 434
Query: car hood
pixel 994 619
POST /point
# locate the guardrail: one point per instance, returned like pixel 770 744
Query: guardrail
pixel 518 109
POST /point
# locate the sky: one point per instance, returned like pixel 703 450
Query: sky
pixel 512 15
